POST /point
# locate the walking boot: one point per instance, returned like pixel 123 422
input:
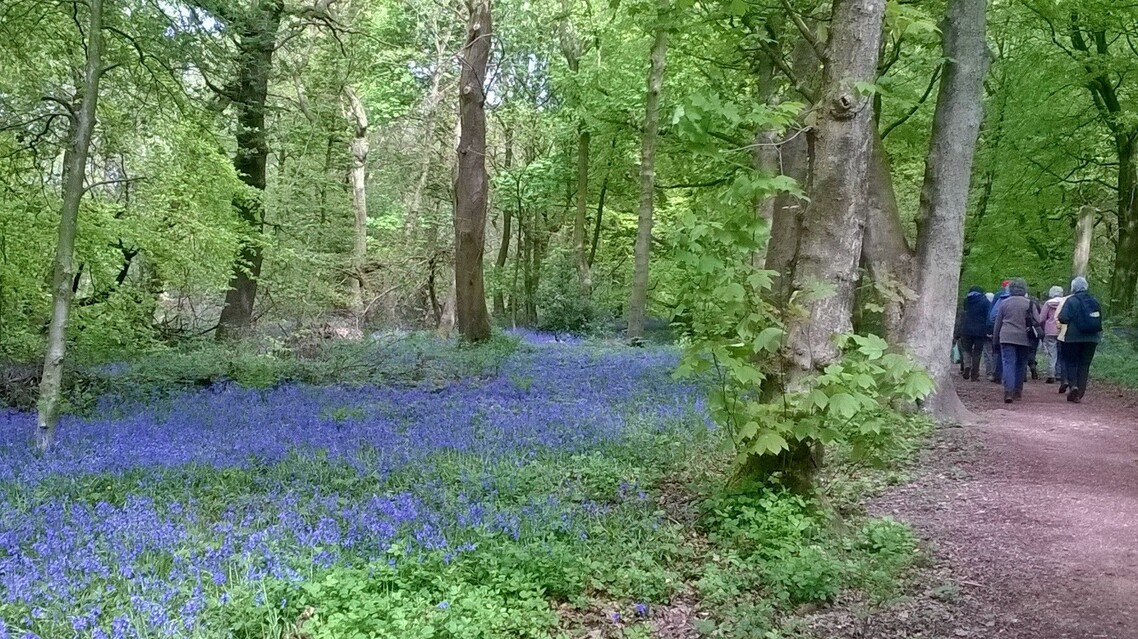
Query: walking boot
pixel 1062 388
pixel 1017 395
pixel 1034 374
pixel 1074 396
pixel 1050 380
pixel 1008 397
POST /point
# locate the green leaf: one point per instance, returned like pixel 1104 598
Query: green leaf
pixel 844 405
pixel 768 443
pixel 769 340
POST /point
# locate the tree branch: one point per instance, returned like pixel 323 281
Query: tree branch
pixel 916 107
pixel 807 34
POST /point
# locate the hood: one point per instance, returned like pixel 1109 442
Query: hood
pixel 975 294
pixel 1053 302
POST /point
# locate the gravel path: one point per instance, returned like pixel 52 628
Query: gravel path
pixel 1032 515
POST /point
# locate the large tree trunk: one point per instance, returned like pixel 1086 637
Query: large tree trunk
pixel 829 241
pixel 638 304
pixel 598 221
pixel 471 181
pixel 944 198
pixel 258 34
pixel 427 153
pixel 1125 278
pixel 1084 233
pixel 74 174
pixel 886 251
pixel 358 176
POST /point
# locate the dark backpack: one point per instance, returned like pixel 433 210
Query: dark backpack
pixel 1088 316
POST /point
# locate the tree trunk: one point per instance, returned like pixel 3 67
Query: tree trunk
pixel 886 251
pixel 829 242
pixel 638 304
pixel 471 180
pixel 434 99
pixel 601 207
pixel 944 199
pixel 584 276
pixel 504 247
pixel 1084 232
pixel 74 175
pixel 257 44
pixel 1125 278
pixel 359 151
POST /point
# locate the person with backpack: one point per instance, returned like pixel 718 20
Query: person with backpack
pixel 1049 319
pixel 1015 324
pixel 973 333
pixel 1083 316
pixel 997 361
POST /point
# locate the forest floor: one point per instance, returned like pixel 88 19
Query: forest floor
pixel 1031 515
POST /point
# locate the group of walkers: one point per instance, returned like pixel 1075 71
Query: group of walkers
pixel 1002 333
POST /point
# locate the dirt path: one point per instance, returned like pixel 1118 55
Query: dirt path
pixel 1033 515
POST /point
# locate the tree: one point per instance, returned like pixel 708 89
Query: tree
pixel 944 197
pixel 638 302
pixel 471 181
pixel 358 177
pixel 255 27
pixel 81 114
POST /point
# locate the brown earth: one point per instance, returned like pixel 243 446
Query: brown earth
pixel 1032 520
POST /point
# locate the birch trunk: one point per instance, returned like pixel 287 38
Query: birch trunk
pixel 944 197
pixel 471 181
pixel 1084 233
pixel 358 177
pixel 74 175
pixel 638 304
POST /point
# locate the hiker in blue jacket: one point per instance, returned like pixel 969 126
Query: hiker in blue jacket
pixel 997 360
pixel 1082 317
pixel 973 337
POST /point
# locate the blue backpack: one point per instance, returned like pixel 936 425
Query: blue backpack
pixel 1088 316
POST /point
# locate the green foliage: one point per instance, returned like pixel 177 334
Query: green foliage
pixel 1117 358
pixel 734 335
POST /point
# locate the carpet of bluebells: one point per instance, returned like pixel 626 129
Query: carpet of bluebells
pixel 151 519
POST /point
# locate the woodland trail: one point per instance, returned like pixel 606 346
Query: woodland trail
pixel 1032 518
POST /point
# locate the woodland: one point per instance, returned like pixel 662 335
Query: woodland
pixel 330 318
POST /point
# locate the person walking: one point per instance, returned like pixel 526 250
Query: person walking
pixel 1083 316
pixel 997 361
pixel 989 360
pixel 973 332
pixel 1013 318
pixel 1049 320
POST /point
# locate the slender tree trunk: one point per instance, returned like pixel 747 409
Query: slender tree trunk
pixel 944 199
pixel 1084 232
pixel 638 304
pixel 74 174
pixel 597 222
pixel 426 160
pixel 258 35
pixel 829 242
pixel 471 181
pixel 359 151
pixel 504 248
pixel 580 251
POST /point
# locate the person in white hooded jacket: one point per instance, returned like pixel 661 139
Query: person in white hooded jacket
pixel 1049 319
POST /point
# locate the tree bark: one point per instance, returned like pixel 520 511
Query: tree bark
pixel 944 198
pixel 358 176
pixel 256 45
pixel 887 254
pixel 75 170
pixel 1125 277
pixel 580 250
pixel 638 304
pixel 504 247
pixel 599 219
pixel 471 180
pixel 829 241
pixel 1084 232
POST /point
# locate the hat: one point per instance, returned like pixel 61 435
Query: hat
pixel 1005 283
pixel 1078 284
